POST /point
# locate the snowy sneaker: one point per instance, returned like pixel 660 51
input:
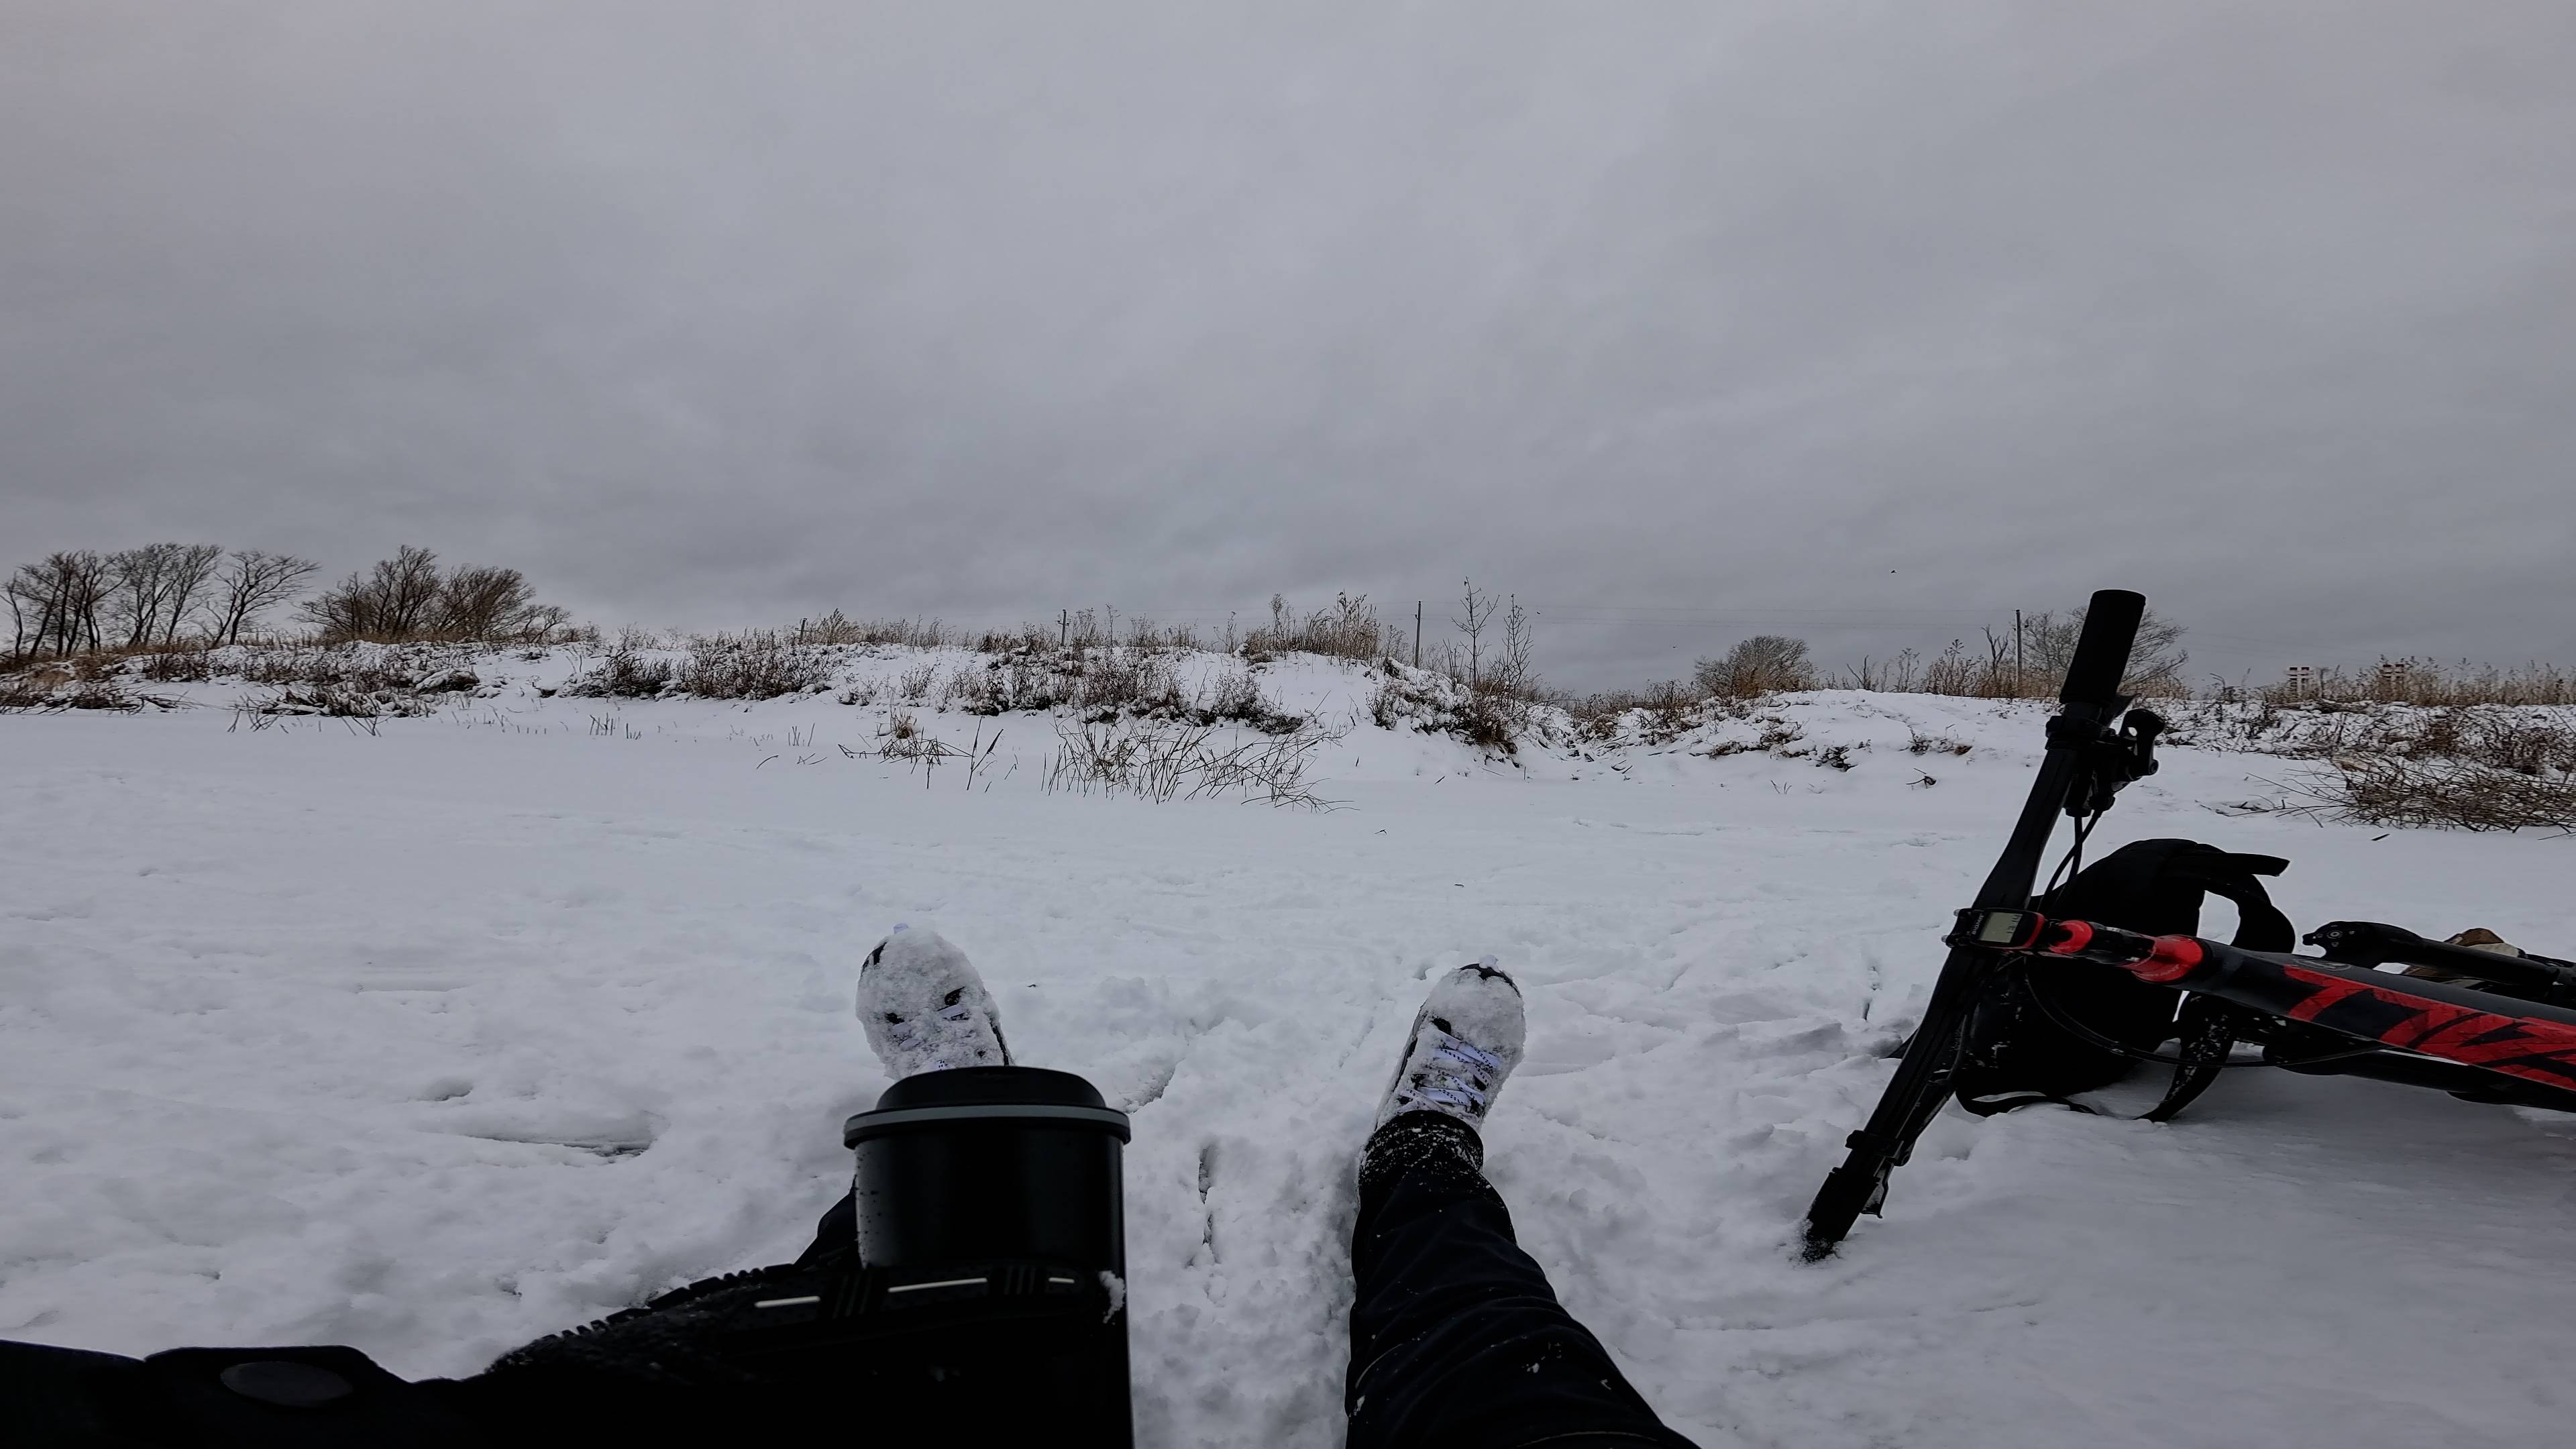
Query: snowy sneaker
pixel 1466 1040
pixel 924 1007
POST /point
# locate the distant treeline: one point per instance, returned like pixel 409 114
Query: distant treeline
pixel 163 595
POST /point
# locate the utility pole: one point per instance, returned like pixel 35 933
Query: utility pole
pixel 1063 627
pixel 2021 681
pixel 1417 633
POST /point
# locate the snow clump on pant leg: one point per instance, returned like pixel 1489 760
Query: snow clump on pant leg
pixel 925 1008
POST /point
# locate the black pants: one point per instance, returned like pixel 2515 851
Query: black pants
pixel 1456 1343
pixel 1456 1338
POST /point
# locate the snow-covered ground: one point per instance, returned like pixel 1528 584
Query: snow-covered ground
pixel 438 1038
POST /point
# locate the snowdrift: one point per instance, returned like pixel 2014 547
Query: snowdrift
pixel 437 1028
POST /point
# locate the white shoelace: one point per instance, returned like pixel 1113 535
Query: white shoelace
pixel 1455 1074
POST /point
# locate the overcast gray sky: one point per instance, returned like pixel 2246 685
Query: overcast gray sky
pixel 1867 321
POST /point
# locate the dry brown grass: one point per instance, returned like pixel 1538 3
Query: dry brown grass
pixel 2448 792
pixel 2420 682
pixel 1162 760
pixel 2466 767
pixel 54 690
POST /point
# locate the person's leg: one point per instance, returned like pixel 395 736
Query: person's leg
pixel 925 1009
pixel 836 1233
pixel 1456 1337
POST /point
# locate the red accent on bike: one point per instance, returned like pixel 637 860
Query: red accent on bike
pixel 2329 991
pixel 2174 958
pixel 2540 1051
pixel 2079 934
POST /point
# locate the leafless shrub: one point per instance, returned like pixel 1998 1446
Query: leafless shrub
pixel 863 692
pixel 1146 635
pixel 1763 664
pixel 837 628
pixel 1499 685
pixel 180 664
pixel 914 687
pixel 973 691
pixel 367 668
pixel 755 664
pixel 1107 682
pixel 1348 629
pixel 2441 792
pixel 1595 717
pixel 623 674
pixel 409 597
pixel 2526 740
pixel 1030 639
pixel 1919 743
pixel 1661 712
pixel 1900 675
pixel 1161 760
pixel 1236 698
pixel 2047 648
pixel 1955 671
pixel 1434 703
pixel 2029 665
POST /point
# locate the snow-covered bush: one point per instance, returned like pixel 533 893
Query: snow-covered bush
pixel 755 664
pixel 624 674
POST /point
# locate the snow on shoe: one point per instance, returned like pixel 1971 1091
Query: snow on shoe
pixel 925 1008
pixel 1466 1040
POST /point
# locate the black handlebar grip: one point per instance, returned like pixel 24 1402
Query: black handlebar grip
pixel 2102 653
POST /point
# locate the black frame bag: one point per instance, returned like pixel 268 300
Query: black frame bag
pixel 2077 1027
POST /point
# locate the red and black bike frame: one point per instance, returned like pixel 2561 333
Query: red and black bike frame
pixel 2510 1038
pixel 2481 1044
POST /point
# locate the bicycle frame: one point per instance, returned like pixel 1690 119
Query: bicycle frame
pixel 2480 1044
pixel 2088 759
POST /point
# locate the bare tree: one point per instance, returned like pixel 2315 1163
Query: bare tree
pixel 2155 661
pixel 2002 681
pixel 538 622
pixel 409 597
pixel 406 590
pixel 56 603
pixel 483 603
pixel 1520 644
pixel 140 589
pixel 191 567
pixel 394 600
pixel 1480 607
pixel 252 582
pixel 20 602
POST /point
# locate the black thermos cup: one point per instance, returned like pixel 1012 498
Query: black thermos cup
pixel 990 1164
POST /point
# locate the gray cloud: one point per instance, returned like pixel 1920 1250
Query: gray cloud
pixel 1870 321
